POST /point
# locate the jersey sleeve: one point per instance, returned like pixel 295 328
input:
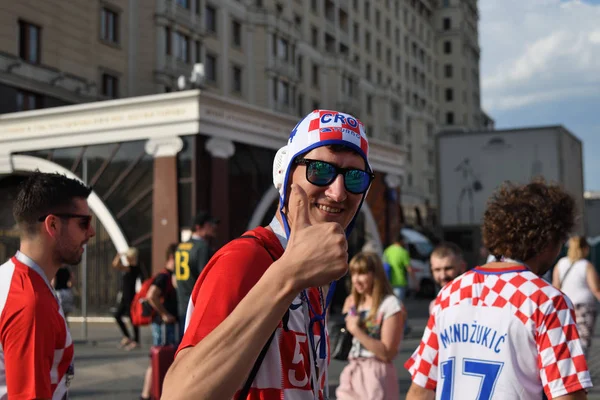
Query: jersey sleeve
pixel 224 283
pixel 28 344
pixel 423 364
pixel 563 368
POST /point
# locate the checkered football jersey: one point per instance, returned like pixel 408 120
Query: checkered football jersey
pixel 500 334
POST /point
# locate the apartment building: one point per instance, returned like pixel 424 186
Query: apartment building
pixel 406 67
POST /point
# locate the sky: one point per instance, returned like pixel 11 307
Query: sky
pixel 540 65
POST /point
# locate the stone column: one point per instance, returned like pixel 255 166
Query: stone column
pixel 220 150
pixel 165 205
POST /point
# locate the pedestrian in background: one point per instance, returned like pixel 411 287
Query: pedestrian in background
pixel 576 277
pixel 130 273
pixel 375 317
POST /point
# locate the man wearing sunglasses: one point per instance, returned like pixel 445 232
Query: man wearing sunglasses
pixel 36 350
pixel 256 317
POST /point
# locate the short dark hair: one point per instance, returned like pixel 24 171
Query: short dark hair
pixel 45 193
pixel 447 249
pixel 400 238
pixel 522 220
pixel 171 249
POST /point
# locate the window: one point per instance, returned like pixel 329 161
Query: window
pixel 356 32
pixel 29 42
pixel 431 185
pixel 448 70
pixel 211 19
pixel 369 104
pixel 316 105
pixel 109 26
pixel 409 153
pixel 300 105
pixel 449 94
pixel 450 118
pixel 368 72
pixel 236 33
pixel 282 49
pixel 28 101
pixel 367 9
pixel 409 180
pixel 367 41
pixel 168 40
pixel 197 6
pixel 283 93
pixel 314 36
pixel 110 86
pixel 446 3
pixel 447 24
pixel 211 68
pixel 182 47
pixel 447 47
pixel 184 3
pixel 237 80
pixel 198 46
pixel 315 75
pixel 300 69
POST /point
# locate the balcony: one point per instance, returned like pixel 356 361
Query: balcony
pixel 169 10
pixel 283 68
pixel 47 80
pixel 284 108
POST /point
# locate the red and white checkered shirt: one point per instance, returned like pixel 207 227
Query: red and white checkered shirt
pixel 500 334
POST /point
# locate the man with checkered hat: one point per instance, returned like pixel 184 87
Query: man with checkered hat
pixel 500 331
pixel 256 318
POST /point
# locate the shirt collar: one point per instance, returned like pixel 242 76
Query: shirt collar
pixel 24 259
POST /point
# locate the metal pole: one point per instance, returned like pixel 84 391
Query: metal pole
pixel 84 327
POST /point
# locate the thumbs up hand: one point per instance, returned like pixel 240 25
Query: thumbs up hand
pixel 316 254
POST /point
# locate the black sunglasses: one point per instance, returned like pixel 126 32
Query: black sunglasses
pixel 322 173
pixel 85 219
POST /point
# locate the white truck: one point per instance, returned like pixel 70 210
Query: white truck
pixel 471 165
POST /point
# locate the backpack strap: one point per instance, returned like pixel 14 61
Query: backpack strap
pixel 246 388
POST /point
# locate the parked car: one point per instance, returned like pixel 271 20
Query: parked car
pixel 420 248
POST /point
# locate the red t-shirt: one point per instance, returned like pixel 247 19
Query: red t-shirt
pixel 224 282
pixel 36 347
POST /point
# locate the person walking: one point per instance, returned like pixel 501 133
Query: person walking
pixel 131 272
pixel 577 278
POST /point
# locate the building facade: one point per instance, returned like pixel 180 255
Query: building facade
pixel 383 61
pixel 406 67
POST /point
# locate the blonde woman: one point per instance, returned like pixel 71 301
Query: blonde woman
pixel 578 279
pixel 375 318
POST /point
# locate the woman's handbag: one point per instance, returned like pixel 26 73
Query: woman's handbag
pixel 341 341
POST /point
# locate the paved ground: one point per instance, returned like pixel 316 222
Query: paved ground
pixel 105 372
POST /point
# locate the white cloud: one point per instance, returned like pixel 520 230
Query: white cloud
pixel 538 51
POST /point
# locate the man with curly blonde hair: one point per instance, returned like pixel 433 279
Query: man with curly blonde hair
pixel 500 331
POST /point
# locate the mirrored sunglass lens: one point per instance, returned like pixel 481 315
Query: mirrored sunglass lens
pixel 320 173
pixel 356 181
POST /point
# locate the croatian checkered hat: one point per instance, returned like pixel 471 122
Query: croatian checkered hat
pixel 319 128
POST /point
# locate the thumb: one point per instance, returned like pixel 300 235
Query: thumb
pixel 300 212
